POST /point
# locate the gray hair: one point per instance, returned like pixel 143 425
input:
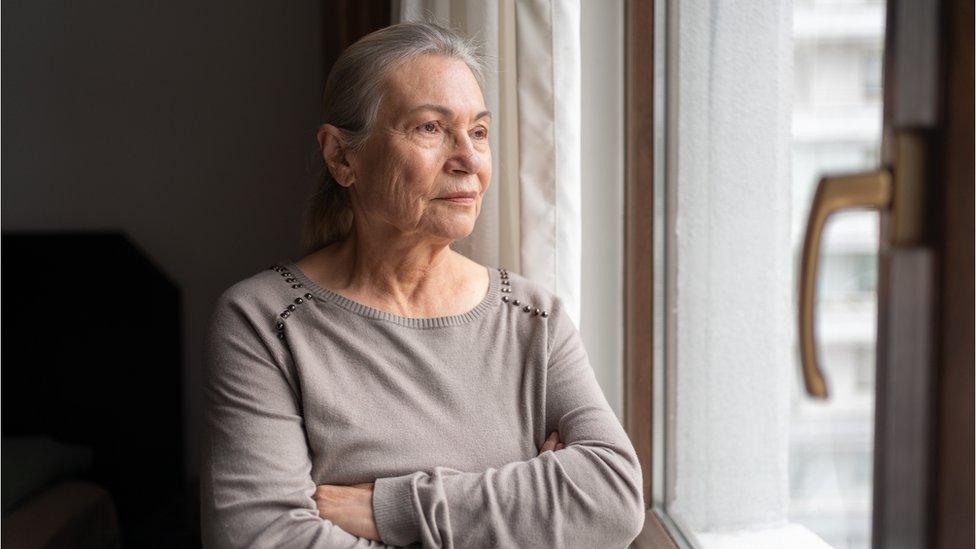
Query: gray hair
pixel 353 93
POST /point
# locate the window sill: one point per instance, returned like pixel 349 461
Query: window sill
pixel 653 536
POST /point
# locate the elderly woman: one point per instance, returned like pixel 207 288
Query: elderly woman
pixel 386 390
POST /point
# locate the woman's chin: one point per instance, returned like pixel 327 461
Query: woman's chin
pixel 456 232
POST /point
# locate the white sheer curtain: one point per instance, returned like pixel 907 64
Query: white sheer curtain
pixel 531 219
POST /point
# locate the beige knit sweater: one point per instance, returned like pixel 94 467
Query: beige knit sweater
pixel 445 415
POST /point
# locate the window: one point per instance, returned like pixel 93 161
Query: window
pixel 872 75
pixel 751 112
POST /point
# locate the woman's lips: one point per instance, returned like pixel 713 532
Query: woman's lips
pixel 459 200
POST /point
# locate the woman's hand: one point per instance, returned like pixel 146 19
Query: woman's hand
pixel 552 443
pixel 349 508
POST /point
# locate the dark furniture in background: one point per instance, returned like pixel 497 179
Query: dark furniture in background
pixel 92 358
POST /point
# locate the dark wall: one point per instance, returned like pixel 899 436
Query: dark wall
pixel 349 20
pixel 188 125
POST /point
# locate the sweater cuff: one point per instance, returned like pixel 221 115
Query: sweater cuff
pixel 393 510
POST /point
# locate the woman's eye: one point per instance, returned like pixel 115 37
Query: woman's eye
pixel 481 133
pixel 429 127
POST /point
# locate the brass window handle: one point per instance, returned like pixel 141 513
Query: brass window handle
pixel 870 190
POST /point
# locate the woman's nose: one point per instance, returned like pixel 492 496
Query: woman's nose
pixel 464 157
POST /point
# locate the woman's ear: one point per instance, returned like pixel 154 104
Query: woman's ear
pixel 334 152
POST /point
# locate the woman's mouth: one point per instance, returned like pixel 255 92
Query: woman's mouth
pixel 463 200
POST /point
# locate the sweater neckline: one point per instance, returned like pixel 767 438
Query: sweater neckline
pixel 488 301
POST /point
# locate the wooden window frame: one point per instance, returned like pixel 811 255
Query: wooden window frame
pixel 638 252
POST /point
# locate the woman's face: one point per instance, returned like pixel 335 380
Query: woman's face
pixel 430 140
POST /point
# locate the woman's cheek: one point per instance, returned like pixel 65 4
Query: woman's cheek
pixel 486 171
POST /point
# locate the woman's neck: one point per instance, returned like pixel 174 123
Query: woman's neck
pixel 413 280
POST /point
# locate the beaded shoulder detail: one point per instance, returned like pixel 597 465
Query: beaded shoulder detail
pixel 506 298
pixel 304 295
pixel 291 307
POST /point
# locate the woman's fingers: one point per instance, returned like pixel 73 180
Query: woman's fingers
pixel 551 442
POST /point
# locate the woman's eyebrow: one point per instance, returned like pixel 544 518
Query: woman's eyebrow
pixel 444 111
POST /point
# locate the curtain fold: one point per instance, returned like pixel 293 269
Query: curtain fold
pixel 531 218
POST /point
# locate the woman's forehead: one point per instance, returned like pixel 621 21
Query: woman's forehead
pixel 444 111
pixel 437 84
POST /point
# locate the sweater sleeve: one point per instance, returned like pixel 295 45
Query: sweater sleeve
pixel 256 485
pixel 588 494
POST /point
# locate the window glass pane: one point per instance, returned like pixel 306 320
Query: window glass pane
pixel 764 98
